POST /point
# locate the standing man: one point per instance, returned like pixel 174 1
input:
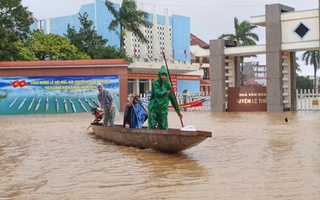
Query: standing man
pixel 135 114
pixel 108 106
pixel 161 93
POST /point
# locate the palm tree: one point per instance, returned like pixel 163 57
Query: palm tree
pixel 129 19
pixel 298 68
pixel 312 58
pixel 243 34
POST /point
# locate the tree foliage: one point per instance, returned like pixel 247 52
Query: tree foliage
pixel 129 18
pixel 88 41
pixel 243 35
pixel 53 47
pixel 303 83
pixel 23 52
pixel 15 23
pixel 312 58
pixel 298 68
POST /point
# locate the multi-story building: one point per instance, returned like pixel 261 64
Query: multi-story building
pixel 255 74
pixel 168 34
pixel 202 62
pixel 254 69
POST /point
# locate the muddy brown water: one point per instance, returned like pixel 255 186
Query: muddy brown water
pixel 250 156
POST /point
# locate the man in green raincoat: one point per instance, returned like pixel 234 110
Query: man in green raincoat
pixel 161 93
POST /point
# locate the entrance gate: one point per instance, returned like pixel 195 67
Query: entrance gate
pixel 287 31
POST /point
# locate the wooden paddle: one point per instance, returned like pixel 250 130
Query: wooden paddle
pixel 175 98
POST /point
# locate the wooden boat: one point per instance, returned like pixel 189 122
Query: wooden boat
pixel 172 140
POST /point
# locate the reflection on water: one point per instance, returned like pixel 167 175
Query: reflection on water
pixel 250 156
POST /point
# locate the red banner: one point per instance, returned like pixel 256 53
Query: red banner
pixel 23 83
pixel 190 104
pixel 15 83
pixel 18 83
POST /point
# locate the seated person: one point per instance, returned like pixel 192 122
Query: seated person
pixel 135 114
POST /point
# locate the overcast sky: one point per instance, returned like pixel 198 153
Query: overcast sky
pixel 209 18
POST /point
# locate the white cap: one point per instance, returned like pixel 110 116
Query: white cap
pixel 99 84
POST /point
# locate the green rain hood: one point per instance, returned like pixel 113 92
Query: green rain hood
pixel 159 100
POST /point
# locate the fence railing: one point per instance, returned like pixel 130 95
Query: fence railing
pixel 308 100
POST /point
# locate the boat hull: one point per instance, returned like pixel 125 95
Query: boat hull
pixel 172 140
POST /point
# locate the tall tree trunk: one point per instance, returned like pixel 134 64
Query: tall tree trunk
pixel 121 37
pixel 315 76
pixel 314 61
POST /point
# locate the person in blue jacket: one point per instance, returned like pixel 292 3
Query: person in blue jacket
pixel 135 114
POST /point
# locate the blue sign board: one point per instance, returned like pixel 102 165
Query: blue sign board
pixel 53 94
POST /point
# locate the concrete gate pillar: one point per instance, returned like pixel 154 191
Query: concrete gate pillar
pixel 281 76
pixel 275 98
pixel 217 76
pixel 224 73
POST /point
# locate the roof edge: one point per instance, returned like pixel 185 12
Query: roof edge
pixel 60 63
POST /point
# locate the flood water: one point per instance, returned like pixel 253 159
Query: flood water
pixel 250 156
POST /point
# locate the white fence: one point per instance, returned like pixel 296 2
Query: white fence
pixel 308 100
